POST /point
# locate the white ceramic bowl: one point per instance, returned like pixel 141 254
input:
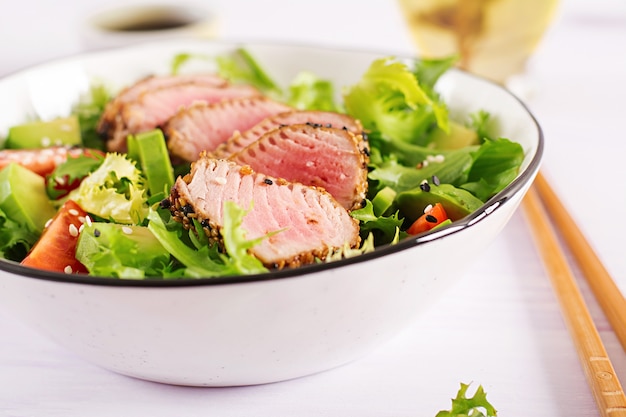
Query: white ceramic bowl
pixel 264 328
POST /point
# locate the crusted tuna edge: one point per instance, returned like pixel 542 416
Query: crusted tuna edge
pixel 184 211
pixel 234 143
pixel 113 126
pixel 361 147
pixel 111 119
pixel 182 146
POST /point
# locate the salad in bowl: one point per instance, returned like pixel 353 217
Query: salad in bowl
pixel 222 171
pixel 217 214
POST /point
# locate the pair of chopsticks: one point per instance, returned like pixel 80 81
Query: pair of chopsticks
pixel 599 371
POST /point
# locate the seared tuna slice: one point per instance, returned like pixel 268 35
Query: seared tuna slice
pixel 151 108
pixel 203 126
pixel 317 117
pixel 309 222
pixel 331 158
pixel 154 82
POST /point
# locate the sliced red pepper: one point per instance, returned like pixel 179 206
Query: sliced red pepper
pixel 56 248
pixel 431 218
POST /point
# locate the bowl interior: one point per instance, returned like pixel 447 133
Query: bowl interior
pixel 51 90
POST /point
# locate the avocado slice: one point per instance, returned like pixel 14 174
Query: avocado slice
pixel 458 137
pixel 457 202
pixel 42 134
pixel 150 151
pixel 383 200
pixel 23 197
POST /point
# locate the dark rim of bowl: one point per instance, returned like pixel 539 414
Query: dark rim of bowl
pixel 488 208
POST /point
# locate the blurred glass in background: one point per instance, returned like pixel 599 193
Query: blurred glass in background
pixel 493 38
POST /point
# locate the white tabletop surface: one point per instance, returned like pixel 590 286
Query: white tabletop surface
pixel 500 326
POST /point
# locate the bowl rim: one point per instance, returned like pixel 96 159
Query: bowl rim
pixel 489 207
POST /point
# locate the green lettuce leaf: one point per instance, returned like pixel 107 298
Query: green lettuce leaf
pixel 496 164
pixel 309 92
pixel 114 250
pixel 68 175
pixel 15 239
pixel 428 71
pixel 194 252
pixel 475 406
pixel 390 103
pixel 383 229
pixel 240 66
pixel 88 110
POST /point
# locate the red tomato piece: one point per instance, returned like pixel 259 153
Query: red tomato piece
pixel 56 248
pixel 431 218
pixel 41 161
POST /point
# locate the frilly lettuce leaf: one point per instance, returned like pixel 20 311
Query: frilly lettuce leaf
pixel 115 191
pixel 382 229
pixel 475 406
pixel 389 102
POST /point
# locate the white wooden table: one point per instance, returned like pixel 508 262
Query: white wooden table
pixel 500 326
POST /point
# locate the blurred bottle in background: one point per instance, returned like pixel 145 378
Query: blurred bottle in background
pixel 493 38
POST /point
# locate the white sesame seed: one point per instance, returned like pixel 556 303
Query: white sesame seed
pixel 73 212
pixel 425 163
pixel 309 164
pixel 88 221
pixel 73 230
pixel 48 223
pixel 428 208
pixel 430 158
pixel 424 182
pixel 440 158
pixel 220 180
pixel 81 219
pixel 127 230
pixel 80 229
pixel 45 141
pixel 60 180
pixel 68 269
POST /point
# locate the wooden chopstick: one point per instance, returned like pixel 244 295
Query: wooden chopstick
pixel 597 366
pixel 606 292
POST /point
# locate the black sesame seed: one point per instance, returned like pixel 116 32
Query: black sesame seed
pixel 425 186
pixel 309 124
pixel 204 223
pixel 187 209
pixel 431 219
pixel 329 125
pixel 365 137
pixel 96 232
pixel 165 203
pixel 268 181
pixel 344 128
pixel 366 151
pixel 436 180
